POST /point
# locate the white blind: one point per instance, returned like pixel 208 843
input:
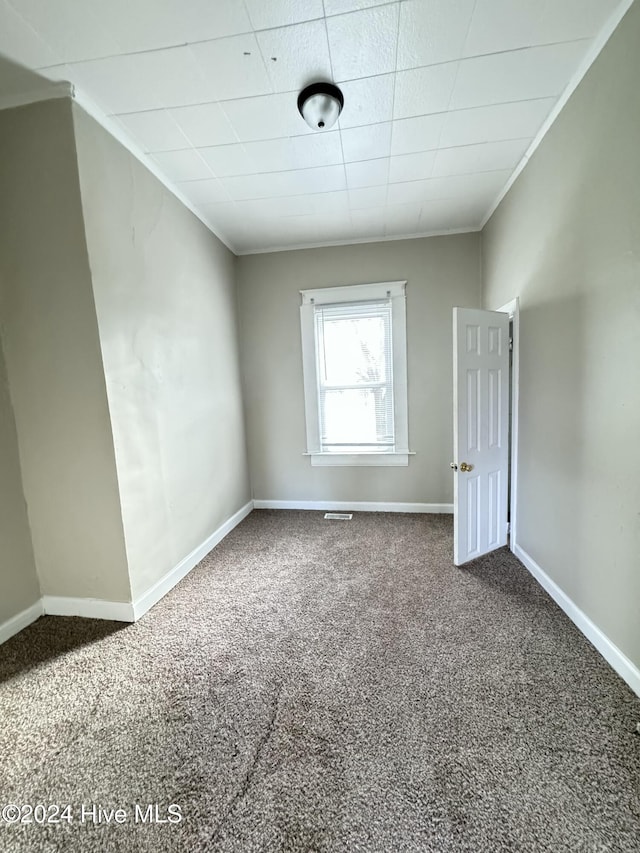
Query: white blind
pixel 355 377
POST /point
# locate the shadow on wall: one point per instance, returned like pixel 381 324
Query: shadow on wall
pixel 19 84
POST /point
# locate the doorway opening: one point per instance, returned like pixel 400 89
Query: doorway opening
pixel 512 308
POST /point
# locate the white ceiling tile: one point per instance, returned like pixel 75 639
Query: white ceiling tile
pixel 425 149
pixel 329 203
pixel 298 152
pixel 270 155
pixel 264 209
pixel 363 44
pixel 332 229
pixel 296 182
pixel 233 66
pixel 424 90
pixel 432 31
pixel 20 42
pixel 295 56
pixel 299 205
pixel 485 157
pixel 500 25
pixel 204 124
pixel 316 149
pixel 224 211
pixel 368 197
pixel 421 133
pixel 280 13
pixel 402 219
pixel 155 130
pixel 226 160
pixel 151 25
pixel 537 72
pixel 209 191
pixel 184 165
pixel 368 173
pixel 411 167
pixel 367 101
pixel 366 143
pixel 409 192
pixel 116 84
pixel 446 214
pixel 76 31
pixel 482 187
pixel 339 7
pixel 267 117
pixel 514 120
pixel 367 224
pixel 173 76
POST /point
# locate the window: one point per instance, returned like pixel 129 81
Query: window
pixel 355 374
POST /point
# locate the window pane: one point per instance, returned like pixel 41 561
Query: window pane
pixel 356 416
pixel 354 350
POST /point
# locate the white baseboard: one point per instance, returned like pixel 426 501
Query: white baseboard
pixel 21 620
pixel 89 608
pixel 355 506
pixel 625 668
pixel 175 575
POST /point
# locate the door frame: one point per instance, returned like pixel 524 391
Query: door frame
pixel 512 308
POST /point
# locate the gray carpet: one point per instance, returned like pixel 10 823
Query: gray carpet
pixel 325 686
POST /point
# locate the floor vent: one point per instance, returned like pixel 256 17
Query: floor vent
pixel 339 516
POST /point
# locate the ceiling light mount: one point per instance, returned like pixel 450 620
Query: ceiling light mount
pixel 320 105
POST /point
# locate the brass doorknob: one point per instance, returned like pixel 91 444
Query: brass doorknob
pixel 465 466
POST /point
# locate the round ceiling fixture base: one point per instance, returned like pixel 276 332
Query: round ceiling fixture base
pixel 320 105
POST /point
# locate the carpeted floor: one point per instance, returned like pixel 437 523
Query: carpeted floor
pixel 324 686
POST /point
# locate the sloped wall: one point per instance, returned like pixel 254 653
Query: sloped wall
pixel 165 294
pixel 53 360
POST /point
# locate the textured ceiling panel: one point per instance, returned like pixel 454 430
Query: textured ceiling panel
pixel 442 98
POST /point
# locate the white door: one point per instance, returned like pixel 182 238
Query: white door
pixel 480 431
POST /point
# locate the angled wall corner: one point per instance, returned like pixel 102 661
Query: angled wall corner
pixel 165 296
pixel 53 360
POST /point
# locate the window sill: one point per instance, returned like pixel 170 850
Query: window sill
pixel 319 460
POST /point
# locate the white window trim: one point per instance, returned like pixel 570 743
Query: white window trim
pixel 352 293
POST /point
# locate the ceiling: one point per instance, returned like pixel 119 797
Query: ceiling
pixel 443 98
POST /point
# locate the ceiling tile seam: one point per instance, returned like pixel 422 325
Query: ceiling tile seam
pixel 182 44
pixel 270 171
pixel 393 100
pixel 347 188
pixel 192 146
pixel 393 122
pixel 220 103
pixel 326 32
pixel 71 63
pixel 246 9
pixel 455 77
pixel 264 61
pixel 35 32
pixel 414 236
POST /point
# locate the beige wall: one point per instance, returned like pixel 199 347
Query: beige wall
pixel 441 272
pixel 53 361
pixel 566 239
pixel 166 302
pixel 18 578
